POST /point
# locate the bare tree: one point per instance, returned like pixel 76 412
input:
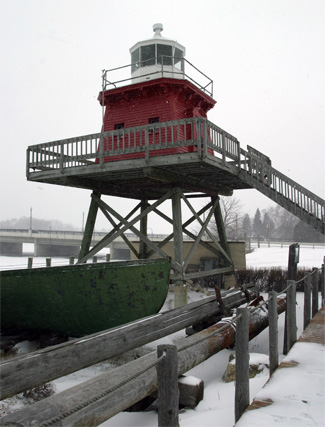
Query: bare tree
pixel 284 222
pixel 232 213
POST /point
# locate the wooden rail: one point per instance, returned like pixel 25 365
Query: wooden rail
pixel 26 371
pixel 98 399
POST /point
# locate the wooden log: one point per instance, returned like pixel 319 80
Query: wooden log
pixel 100 398
pixel 273 332
pixel 191 391
pixel 167 377
pixel 39 367
pixel 242 362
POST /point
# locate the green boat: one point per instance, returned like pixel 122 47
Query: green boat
pixel 83 299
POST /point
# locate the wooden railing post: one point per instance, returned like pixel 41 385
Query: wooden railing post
pixel 291 324
pixel 273 331
pixel 146 141
pixel 101 150
pixel 223 148
pixel 307 300
pixel 168 395
pixel 242 362
pixel 205 139
pixel 314 284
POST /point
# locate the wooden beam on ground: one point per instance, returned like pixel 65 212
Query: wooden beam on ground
pixel 29 370
pixel 100 398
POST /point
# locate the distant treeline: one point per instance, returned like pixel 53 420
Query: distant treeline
pixel 274 223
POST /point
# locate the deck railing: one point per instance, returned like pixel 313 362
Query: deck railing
pixel 186 135
pixel 194 135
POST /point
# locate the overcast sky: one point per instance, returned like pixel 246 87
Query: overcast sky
pixel 266 58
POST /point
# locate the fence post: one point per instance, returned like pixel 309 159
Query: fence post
pixel 48 262
pixel 242 362
pixel 168 395
pixel 291 325
pixel 323 283
pixel 307 300
pixel 30 263
pixel 273 331
pixel 314 284
pixel 71 260
pixel 294 253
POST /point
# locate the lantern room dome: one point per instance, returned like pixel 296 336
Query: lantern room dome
pixel 157 57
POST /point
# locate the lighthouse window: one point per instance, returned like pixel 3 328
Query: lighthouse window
pixel 119 126
pixel 148 55
pixel 164 54
pixel 135 57
pixel 178 60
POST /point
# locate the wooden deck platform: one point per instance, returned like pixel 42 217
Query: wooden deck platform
pixel 295 394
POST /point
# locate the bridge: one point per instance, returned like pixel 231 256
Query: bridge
pixel 52 242
pixel 67 244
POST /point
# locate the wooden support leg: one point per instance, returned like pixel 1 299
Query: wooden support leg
pixel 229 280
pixel 178 229
pixel 220 225
pixel 180 292
pixel 143 248
pixel 90 226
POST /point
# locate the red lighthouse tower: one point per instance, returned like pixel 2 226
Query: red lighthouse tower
pixel 159 91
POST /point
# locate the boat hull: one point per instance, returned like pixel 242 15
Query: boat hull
pixel 85 298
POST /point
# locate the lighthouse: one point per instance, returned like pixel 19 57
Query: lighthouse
pixel 157 148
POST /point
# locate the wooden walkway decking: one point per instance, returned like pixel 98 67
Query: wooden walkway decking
pixel 295 394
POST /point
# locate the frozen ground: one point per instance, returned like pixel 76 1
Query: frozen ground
pixel 217 407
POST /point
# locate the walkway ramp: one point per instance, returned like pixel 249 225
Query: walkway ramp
pixel 256 170
pixel 295 394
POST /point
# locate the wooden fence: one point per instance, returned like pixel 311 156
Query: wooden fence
pixel 98 399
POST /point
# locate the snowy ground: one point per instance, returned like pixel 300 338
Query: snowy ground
pixel 217 407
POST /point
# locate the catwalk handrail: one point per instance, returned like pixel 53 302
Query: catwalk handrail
pixel 205 139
